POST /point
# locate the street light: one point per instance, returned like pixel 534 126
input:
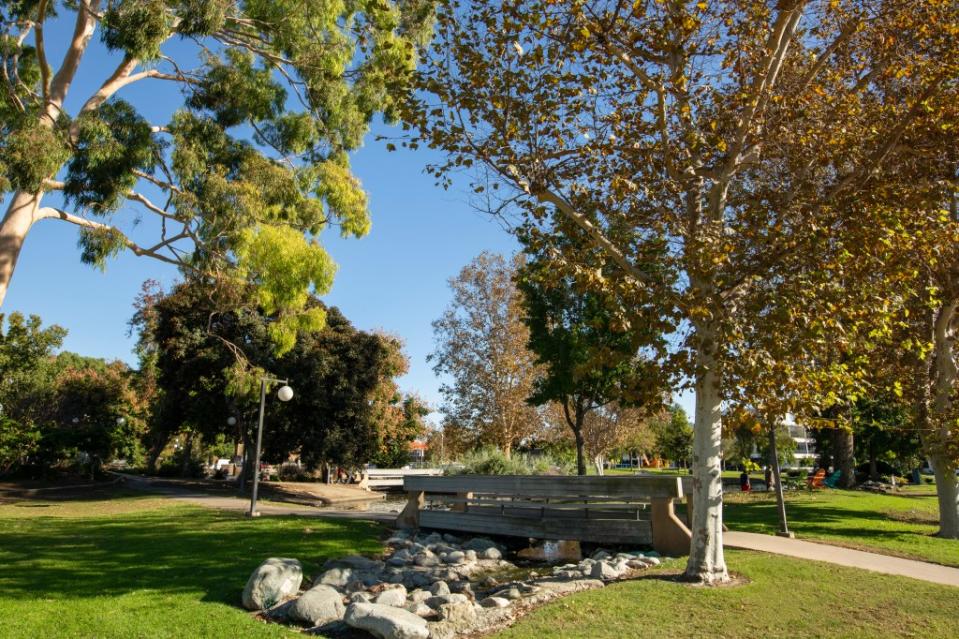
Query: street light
pixel 285 394
pixel 121 421
pixel 231 421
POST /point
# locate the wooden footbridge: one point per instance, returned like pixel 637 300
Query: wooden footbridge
pixel 608 510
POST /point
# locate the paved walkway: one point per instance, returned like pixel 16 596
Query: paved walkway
pixel 843 557
pixel 227 502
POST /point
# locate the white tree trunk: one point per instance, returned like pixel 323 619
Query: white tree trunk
pixel 706 561
pixel 598 460
pixel 947 490
pixel 20 216
pixel 945 373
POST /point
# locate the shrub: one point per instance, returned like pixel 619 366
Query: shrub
pixel 492 461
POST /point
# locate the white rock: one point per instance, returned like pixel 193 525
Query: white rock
pixel 652 561
pixel 438 600
pixel 426 559
pixel 440 588
pixel 455 557
pixel 274 580
pixel 318 605
pixel 604 570
pixel 392 597
pixel 419 596
pixel 491 553
pixel 386 622
pixel 599 555
pixel 495 602
pixel 361 597
pixel 420 609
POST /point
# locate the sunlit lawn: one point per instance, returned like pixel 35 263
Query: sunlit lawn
pixel 140 567
pixel 893 524
pixel 785 598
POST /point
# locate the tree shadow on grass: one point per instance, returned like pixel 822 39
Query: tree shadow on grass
pixel 815 518
pixel 189 550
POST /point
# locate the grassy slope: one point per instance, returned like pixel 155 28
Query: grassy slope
pixel 133 568
pixel 891 524
pixel 785 598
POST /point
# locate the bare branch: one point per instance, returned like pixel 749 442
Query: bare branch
pixel 48 212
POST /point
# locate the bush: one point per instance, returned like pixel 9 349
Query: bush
pixel 491 461
pixel 293 472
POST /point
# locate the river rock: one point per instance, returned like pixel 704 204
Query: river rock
pixel 318 605
pixel 459 613
pixel 438 600
pixel 440 588
pixel 495 602
pixel 490 553
pixel 392 597
pixel 605 570
pixel 479 544
pixel 419 596
pixel 455 557
pixel 274 580
pixel 386 622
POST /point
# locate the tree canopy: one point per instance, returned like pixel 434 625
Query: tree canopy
pixel 242 178
pixel 754 151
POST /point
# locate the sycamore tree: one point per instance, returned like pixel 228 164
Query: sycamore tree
pixel 481 349
pixel 239 181
pixel 729 139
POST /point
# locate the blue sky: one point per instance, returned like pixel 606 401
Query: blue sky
pixel 395 279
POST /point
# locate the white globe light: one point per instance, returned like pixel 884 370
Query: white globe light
pixel 231 421
pixel 285 393
pixel 121 421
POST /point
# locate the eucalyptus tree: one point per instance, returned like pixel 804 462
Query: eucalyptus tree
pixel 244 175
pixel 740 136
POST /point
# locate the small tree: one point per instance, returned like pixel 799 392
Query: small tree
pixel 481 345
pixel 588 357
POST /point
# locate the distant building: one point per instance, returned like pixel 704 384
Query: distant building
pixel 418 450
pixel 805 452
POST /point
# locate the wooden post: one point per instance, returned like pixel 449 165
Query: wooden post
pixel 410 517
pixel 670 535
pixel 461 507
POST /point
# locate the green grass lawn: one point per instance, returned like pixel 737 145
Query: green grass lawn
pixel 140 567
pixel 898 525
pixel 786 598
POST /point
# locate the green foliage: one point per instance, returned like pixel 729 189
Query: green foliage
pixel 100 244
pixel 17 442
pixel 212 351
pixel 31 154
pixel 111 143
pixel 674 436
pixel 492 461
pixel 284 270
pixel 234 90
pixel 137 27
pixel 200 17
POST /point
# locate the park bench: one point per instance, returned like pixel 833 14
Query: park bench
pixel 605 510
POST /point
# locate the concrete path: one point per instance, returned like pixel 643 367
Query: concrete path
pixel 843 557
pixel 237 504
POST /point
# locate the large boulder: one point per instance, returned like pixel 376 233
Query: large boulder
pixel 318 605
pixel 386 622
pixel 275 580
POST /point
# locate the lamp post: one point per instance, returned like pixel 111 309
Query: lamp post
pixel 285 394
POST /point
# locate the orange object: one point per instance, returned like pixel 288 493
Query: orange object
pixel 816 481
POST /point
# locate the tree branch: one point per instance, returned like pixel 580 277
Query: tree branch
pixel 41 51
pixel 49 212
pixel 82 32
